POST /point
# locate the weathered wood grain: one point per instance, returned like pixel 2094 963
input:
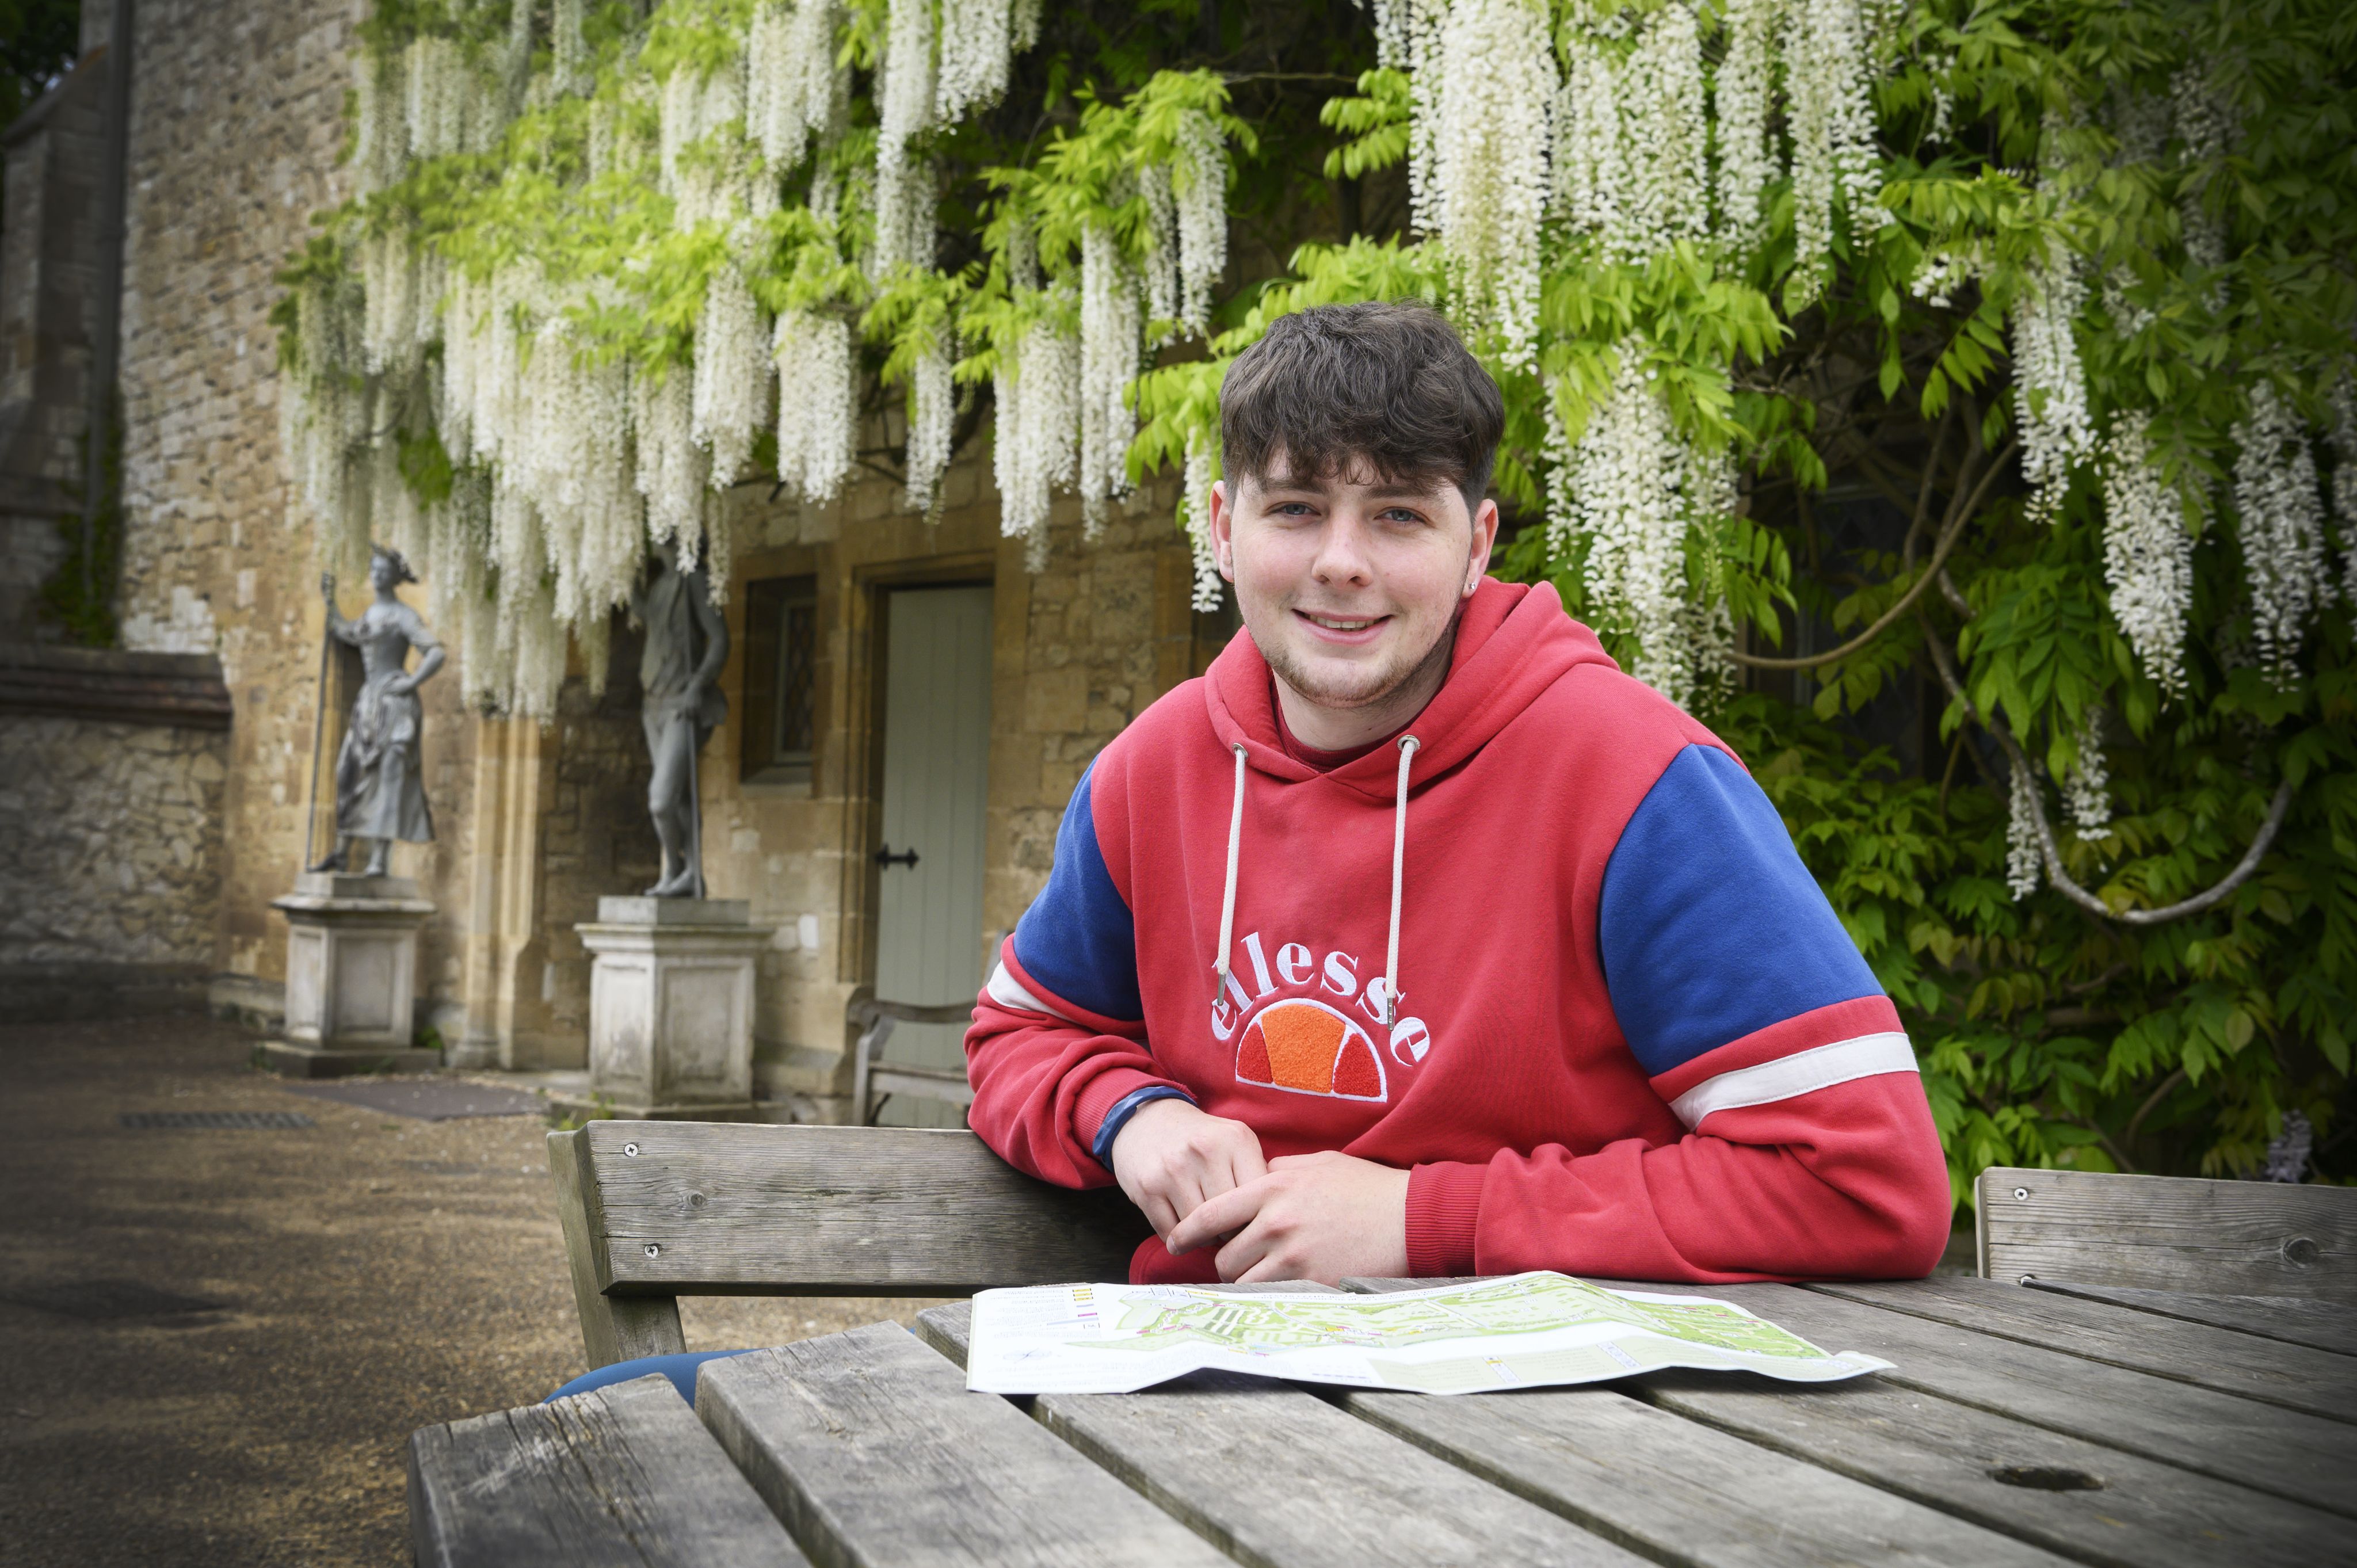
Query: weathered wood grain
pixel 613 1328
pixel 2146 1513
pixel 2287 1453
pixel 2169 1233
pixel 1276 1476
pixel 2319 1382
pixel 620 1476
pixel 868 1446
pixel 2325 1326
pixel 1678 1491
pixel 2140 1513
pixel 699 1208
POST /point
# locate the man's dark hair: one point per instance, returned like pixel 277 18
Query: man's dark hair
pixel 1388 384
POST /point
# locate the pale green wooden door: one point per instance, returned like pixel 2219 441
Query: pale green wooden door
pixel 936 766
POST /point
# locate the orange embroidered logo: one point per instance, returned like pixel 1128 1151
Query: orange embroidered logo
pixel 1308 1047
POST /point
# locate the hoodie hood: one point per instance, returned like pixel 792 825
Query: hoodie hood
pixel 1513 642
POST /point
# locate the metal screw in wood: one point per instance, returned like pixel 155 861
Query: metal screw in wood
pixel 652 1250
pixel 631 1150
pixel 2021 1195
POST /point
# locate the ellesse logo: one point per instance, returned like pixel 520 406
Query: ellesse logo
pixel 1308 1047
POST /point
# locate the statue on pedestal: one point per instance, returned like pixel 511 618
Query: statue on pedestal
pixel 380 794
pixel 688 642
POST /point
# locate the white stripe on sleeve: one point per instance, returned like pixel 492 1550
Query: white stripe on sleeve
pixel 1009 992
pixel 1820 1067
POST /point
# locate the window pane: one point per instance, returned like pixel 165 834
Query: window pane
pixel 796 652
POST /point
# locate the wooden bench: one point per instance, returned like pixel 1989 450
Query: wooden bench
pixel 874 1080
pixel 655 1210
pixel 2108 1233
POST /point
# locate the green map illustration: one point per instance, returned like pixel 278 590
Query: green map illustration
pixel 1534 1304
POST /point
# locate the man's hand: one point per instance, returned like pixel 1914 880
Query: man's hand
pixel 1313 1216
pixel 1169 1156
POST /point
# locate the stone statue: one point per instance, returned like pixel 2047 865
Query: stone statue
pixel 379 792
pixel 688 642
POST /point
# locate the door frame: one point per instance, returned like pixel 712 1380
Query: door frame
pixel 867 636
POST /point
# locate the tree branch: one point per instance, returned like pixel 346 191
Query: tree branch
pixel 1961 511
pixel 2051 853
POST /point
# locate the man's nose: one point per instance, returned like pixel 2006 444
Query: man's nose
pixel 1343 552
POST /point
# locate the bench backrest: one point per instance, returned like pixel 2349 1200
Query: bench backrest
pixel 655 1210
pixel 2234 1237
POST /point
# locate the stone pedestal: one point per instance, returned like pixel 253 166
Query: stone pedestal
pixel 351 977
pixel 671 1009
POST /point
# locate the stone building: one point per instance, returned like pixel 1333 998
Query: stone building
pixel 892 686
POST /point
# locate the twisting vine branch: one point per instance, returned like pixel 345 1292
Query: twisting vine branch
pixel 2052 851
pixel 1961 509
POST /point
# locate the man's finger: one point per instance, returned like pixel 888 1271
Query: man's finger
pixel 1157 1211
pixel 1214 1218
pixel 1245 1252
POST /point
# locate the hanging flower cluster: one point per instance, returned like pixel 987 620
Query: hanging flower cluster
pixel 1631 489
pixel 2086 783
pixel 2148 553
pixel 2282 519
pixel 2049 389
pixel 1487 186
pixel 1038 393
pixel 2024 861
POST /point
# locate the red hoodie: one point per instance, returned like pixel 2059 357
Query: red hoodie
pixel 1631 1036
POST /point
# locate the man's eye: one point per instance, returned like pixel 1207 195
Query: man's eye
pixel 1401 514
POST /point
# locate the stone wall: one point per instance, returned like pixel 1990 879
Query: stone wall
pixel 49 238
pixel 110 842
pixel 112 768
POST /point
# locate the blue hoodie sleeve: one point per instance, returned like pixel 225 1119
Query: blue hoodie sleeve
pixel 1078 940
pixel 1711 928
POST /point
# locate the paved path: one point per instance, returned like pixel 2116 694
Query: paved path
pixel 215 1352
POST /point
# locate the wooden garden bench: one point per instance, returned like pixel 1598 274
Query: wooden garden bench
pixel 655 1210
pixel 874 1080
pixel 2096 1232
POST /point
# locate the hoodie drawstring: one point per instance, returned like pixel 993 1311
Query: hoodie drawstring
pixel 1228 897
pixel 1408 745
pixel 1219 971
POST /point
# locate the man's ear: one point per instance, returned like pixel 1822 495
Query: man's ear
pixel 1485 537
pixel 1222 526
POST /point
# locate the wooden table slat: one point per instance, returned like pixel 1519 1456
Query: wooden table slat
pixel 867 1444
pixel 1679 1490
pixel 2295 1320
pixel 2319 1382
pixel 2287 1453
pixel 2144 1513
pixel 1278 1477
pixel 622 1476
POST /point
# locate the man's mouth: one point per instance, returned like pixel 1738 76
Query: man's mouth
pixel 1342 626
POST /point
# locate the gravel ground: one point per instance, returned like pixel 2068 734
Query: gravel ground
pixel 218 1341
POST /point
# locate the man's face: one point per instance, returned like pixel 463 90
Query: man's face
pixel 1349 583
pixel 381 574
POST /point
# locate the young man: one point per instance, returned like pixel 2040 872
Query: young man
pixel 1414 938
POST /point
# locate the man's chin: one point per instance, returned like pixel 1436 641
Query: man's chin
pixel 1351 685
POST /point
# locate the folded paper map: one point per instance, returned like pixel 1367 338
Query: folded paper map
pixel 1519 1332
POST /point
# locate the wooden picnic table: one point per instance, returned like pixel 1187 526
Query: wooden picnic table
pixel 2022 1425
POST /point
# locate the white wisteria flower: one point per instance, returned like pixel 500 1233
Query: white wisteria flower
pixel 2024 861
pixel 1490 161
pixel 2148 553
pixel 2282 519
pixel 818 402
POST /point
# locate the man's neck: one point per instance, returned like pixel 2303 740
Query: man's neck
pixel 1324 728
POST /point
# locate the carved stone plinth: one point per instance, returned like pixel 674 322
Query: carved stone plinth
pixel 671 1009
pixel 351 977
